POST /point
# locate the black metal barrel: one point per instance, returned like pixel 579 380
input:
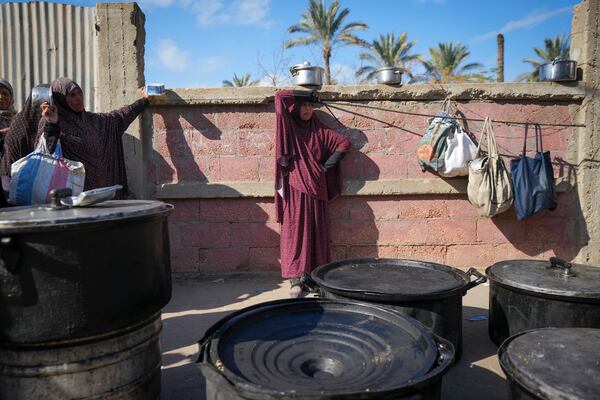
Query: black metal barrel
pixel 81 291
pixel 552 364
pixel 429 292
pixel 322 349
pixel 532 294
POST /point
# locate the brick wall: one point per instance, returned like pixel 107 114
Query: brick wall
pixel 231 145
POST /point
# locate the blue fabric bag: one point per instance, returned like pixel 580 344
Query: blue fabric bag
pixel 533 179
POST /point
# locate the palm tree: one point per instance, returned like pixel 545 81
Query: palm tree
pixel 387 51
pixel 237 82
pixel 558 47
pixel 445 64
pixel 324 26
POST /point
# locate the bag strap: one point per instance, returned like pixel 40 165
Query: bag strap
pixel 524 153
pixel 538 137
pixel 492 146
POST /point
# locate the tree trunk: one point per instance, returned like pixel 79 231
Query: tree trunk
pixel 500 71
pixel 326 57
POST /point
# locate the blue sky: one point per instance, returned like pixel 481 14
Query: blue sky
pixel 199 43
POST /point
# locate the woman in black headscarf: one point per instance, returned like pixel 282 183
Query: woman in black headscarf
pixel 7 109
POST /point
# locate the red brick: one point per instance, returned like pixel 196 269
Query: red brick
pixel 262 258
pixel 435 254
pixel 402 141
pixel 368 141
pixel 173 143
pixel 206 235
pixel 239 119
pixel 266 169
pixel 372 251
pixel 385 209
pixel 256 142
pixel 184 210
pixel 410 208
pixel 390 166
pixel 225 210
pixel 198 118
pixel 509 251
pixel 402 232
pixel 265 120
pixel 235 169
pixel 217 142
pixel 165 118
pixel 540 228
pixel 184 259
pixel 460 208
pixel 262 211
pixel 413 169
pixel 339 209
pixel 254 234
pixel 182 169
pixel 358 166
pixel 353 232
pixel 500 231
pixel 479 256
pixel 338 253
pixel 451 232
pixel 227 259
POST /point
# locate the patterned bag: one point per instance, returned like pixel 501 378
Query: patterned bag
pixel 432 147
pixel 36 174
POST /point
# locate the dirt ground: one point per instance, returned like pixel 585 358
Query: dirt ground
pixel 199 303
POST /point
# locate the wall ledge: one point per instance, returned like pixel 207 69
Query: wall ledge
pixel 538 91
pixel 392 187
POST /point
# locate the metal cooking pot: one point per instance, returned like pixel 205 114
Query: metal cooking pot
pixel 559 70
pixel 76 273
pixel 431 293
pixel 307 75
pixel 41 94
pixel 532 294
pixel 389 75
pixel 322 349
pixel 552 364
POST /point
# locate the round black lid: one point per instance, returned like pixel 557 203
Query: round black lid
pixel 390 279
pixel 30 218
pixel 320 347
pixel 547 278
pixel 554 363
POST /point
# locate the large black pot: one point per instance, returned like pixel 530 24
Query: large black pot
pixel 552 364
pixel 532 294
pixel 431 293
pixel 322 349
pixel 77 274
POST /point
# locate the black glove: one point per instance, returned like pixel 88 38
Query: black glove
pixel 333 159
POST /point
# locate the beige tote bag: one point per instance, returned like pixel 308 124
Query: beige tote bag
pixel 490 186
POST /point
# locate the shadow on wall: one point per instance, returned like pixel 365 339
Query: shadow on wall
pixel 353 231
pixel 562 231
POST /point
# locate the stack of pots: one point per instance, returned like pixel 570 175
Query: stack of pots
pixel 81 291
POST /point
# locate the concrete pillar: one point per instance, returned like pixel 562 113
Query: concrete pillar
pixel 585 49
pixel 121 40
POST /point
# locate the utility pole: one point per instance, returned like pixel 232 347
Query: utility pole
pixel 500 71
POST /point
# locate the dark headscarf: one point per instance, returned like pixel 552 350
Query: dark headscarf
pixel 95 139
pixel 296 142
pixel 7 115
pixel 21 137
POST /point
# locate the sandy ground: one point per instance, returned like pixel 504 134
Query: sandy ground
pixel 199 303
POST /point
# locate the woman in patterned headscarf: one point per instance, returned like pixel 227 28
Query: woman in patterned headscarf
pixel 7 110
pixel 95 139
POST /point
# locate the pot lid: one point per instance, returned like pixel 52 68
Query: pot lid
pixel 317 347
pixel 548 278
pixel 554 363
pixel 388 68
pixel 391 279
pixel 20 219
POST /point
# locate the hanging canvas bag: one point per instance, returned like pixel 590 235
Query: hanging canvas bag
pixel 533 179
pixel 460 149
pixel 36 174
pixel 432 147
pixel 489 188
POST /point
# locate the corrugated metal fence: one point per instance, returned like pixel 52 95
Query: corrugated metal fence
pixel 40 42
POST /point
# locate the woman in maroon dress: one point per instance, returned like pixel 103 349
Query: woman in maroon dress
pixel 307 178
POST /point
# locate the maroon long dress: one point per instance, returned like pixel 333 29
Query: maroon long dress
pixel 303 186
